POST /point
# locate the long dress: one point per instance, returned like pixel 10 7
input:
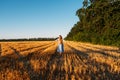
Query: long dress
pixel 60 48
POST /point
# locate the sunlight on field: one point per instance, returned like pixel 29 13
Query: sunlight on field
pixel 40 61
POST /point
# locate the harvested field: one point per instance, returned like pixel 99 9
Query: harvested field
pixel 40 61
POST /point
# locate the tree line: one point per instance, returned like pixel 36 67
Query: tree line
pixel 99 23
pixel 28 39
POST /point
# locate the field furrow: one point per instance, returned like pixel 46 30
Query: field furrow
pixel 40 61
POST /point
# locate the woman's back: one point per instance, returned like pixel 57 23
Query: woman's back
pixel 60 41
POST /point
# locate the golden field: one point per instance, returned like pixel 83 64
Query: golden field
pixel 38 60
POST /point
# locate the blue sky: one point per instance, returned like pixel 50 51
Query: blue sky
pixel 37 18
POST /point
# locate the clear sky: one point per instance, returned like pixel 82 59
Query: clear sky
pixel 37 18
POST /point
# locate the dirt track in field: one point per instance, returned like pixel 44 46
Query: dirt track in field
pixel 40 61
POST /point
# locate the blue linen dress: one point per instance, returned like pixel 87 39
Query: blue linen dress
pixel 60 48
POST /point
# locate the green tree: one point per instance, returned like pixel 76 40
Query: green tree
pixel 99 23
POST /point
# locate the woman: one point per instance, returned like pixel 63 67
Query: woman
pixel 60 48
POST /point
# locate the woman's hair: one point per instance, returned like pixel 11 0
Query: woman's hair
pixel 60 37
